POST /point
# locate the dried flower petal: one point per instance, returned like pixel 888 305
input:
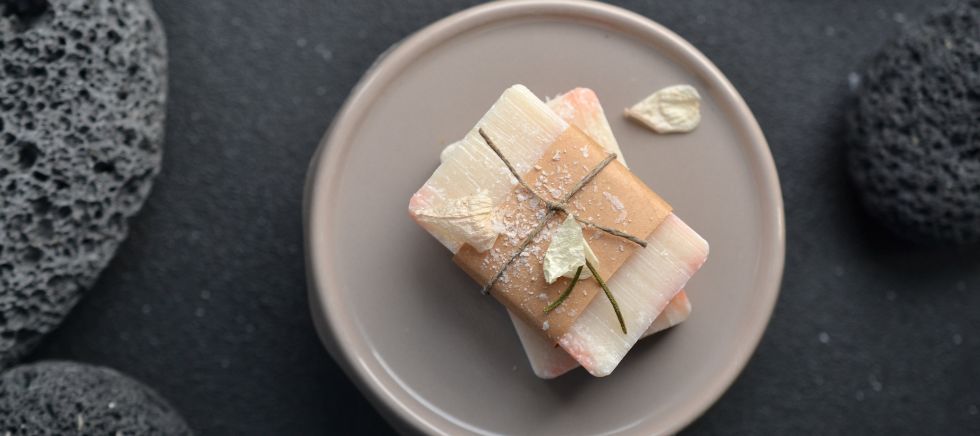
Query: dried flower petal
pixel 672 109
pixel 470 217
pixel 567 252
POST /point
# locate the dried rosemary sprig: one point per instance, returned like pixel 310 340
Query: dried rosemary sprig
pixel 564 295
pixel 609 295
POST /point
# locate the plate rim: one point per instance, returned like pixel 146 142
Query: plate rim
pixel 400 408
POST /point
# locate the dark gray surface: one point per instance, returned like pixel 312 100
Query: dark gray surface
pixel 206 300
pixel 82 102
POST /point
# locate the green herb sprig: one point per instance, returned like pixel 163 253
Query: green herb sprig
pixel 609 295
pixel 564 295
pixel 602 283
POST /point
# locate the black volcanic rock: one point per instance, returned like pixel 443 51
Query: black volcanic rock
pixel 915 130
pixel 66 398
pixel 82 96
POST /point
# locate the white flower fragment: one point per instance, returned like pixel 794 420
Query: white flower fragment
pixel 672 109
pixel 471 217
pixel 567 252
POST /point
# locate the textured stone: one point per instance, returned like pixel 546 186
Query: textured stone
pixel 69 398
pixel 82 95
pixel 915 130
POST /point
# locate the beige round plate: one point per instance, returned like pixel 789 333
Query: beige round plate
pixel 414 332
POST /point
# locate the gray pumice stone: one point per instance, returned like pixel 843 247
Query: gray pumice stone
pixel 914 131
pixel 65 398
pixel 82 96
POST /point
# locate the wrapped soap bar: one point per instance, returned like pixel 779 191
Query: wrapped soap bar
pixel 525 130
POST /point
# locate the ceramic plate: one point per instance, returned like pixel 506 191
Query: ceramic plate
pixel 413 331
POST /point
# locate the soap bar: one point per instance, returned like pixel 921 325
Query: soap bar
pixel 523 128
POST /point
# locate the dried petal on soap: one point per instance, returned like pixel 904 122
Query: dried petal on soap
pixel 471 217
pixel 567 252
pixel 672 109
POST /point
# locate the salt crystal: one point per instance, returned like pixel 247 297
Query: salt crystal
pixel 614 201
pixel 823 337
pixel 557 156
pixel 545 326
pixel 875 384
pixel 853 81
pixel 324 52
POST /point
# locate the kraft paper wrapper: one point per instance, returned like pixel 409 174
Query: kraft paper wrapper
pixel 568 160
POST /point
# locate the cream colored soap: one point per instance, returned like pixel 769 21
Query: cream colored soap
pixel 523 128
pixel 669 110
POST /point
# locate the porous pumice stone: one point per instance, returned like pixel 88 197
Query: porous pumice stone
pixel 82 95
pixel 65 398
pixel 914 132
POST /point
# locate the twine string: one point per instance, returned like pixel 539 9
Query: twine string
pixel 553 208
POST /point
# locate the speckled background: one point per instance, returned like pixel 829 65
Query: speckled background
pixel 206 300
